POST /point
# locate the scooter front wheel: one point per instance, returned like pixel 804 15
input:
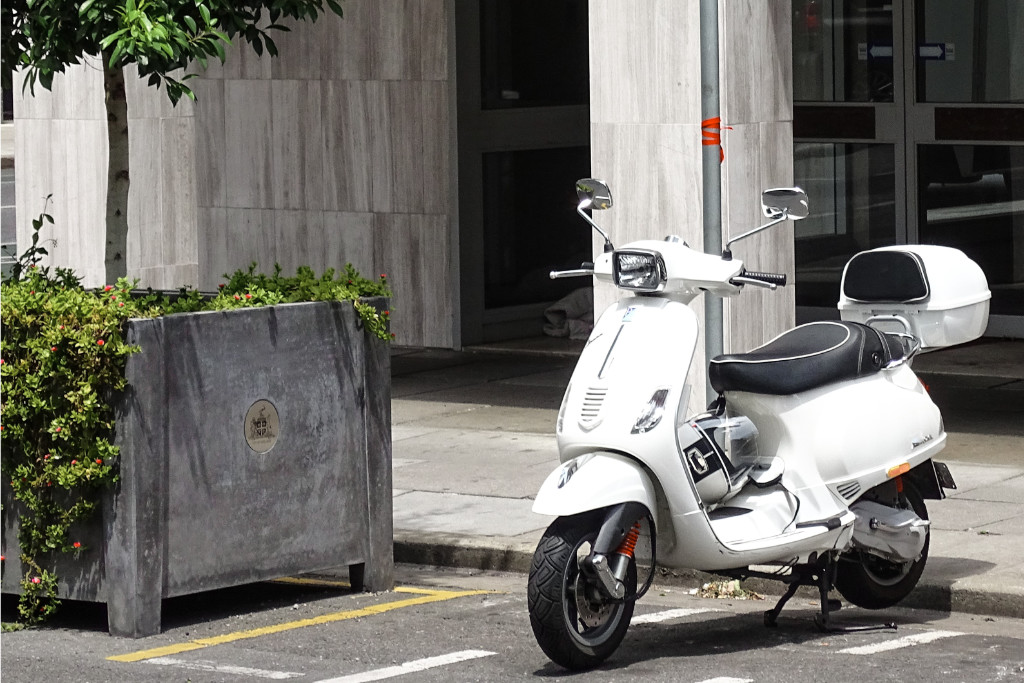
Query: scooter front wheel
pixel 575 625
pixel 873 583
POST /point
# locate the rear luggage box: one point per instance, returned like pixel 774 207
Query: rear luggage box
pixel 935 293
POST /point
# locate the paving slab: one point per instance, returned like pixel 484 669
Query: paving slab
pixel 430 512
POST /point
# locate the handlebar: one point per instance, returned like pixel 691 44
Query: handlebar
pixel 769 280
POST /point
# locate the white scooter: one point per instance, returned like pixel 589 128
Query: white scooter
pixel 811 466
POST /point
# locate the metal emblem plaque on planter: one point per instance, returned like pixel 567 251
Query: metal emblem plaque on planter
pixel 262 425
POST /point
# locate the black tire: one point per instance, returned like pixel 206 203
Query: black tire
pixel 869 581
pixel 575 632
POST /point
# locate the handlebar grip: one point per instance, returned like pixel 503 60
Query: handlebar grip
pixel 778 279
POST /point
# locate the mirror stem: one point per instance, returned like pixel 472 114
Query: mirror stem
pixel 607 242
pixel 727 254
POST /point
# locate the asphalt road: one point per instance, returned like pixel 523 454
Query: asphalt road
pixel 448 625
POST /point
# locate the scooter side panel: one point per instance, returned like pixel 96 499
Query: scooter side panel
pixel 851 431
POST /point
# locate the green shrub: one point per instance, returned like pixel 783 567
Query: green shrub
pixel 62 360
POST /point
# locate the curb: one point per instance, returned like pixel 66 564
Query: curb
pixel 464 553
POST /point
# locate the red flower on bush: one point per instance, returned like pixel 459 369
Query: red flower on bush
pixel 98 461
pixel 76 544
pixel 108 288
pixel 100 342
pixel 36 579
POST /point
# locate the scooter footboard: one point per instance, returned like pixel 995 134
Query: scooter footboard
pixel 594 481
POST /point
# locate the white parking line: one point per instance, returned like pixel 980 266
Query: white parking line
pixel 906 641
pixel 659 617
pixel 410 667
pixel 726 679
pixel 223 669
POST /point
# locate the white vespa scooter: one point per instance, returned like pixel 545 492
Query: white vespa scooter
pixel 811 467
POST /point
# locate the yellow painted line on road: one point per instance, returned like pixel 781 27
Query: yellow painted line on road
pixel 425 597
pixel 328 583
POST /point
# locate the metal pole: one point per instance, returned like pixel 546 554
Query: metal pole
pixel 712 176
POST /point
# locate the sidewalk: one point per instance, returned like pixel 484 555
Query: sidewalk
pixel 474 439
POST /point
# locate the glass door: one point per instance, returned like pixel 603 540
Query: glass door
pixel 848 90
pixel 523 140
pixel 965 140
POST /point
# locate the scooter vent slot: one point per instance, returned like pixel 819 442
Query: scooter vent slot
pixel 848 490
pixel 592 402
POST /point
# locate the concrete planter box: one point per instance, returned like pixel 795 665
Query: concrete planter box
pixel 255 444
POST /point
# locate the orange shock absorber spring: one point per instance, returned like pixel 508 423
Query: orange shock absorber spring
pixel 628 544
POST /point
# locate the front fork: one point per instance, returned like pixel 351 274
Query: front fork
pixel 614 548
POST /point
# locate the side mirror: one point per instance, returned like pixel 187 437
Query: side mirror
pixel 593 194
pixel 784 202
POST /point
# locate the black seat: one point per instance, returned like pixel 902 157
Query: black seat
pixel 806 357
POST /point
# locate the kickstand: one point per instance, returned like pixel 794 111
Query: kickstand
pixel 822 575
pixel 771 617
pixel 826 574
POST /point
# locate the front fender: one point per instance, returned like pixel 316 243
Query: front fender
pixel 594 481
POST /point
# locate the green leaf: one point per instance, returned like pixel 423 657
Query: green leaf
pixel 85 7
pixel 204 10
pixel 190 22
pixel 335 7
pixel 105 43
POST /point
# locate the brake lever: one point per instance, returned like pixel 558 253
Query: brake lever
pixel 587 269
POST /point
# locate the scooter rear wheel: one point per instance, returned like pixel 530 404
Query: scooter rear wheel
pixel 874 583
pixel 574 624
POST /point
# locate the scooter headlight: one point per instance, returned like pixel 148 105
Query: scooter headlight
pixel 639 270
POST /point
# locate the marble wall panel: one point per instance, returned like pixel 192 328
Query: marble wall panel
pixel 84 201
pixel 346 238
pixel 645 61
pixel 211 142
pixel 412 250
pixel 404 190
pixel 438 147
pixel 346 47
pixel 293 232
pixel 31 103
pixel 297 145
pixel 145 196
pixel 431 22
pixel 78 93
pixel 248 130
pixel 178 189
pixel 146 101
pixel 212 237
pixel 294 61
pixel 755 61
pixel 35 173
pixel 760 157
pixel 383 126
pixel 251 237
pixel 348 148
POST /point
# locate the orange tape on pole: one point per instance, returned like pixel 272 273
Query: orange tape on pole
pixel 711 135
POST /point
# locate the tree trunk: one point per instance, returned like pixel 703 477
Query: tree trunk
pixel 115 256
